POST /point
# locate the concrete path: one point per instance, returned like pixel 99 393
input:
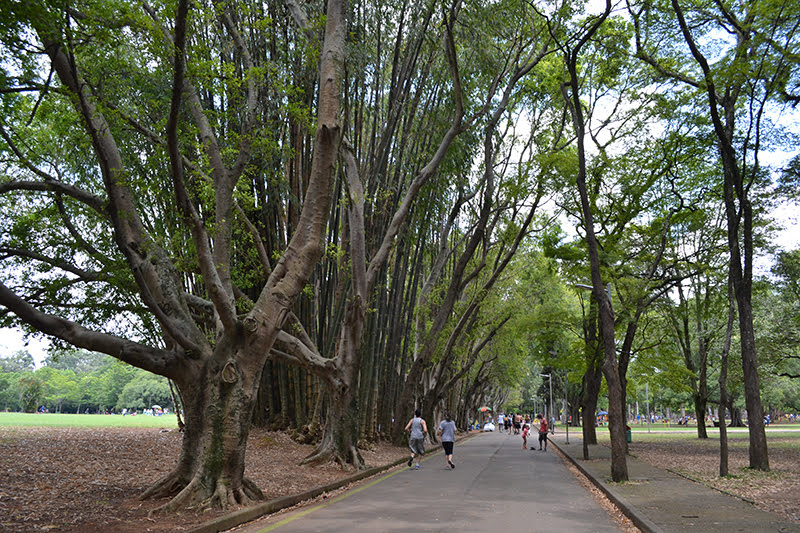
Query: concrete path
pixel 496 486
pixel 661 502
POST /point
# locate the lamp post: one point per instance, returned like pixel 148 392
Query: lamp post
pixel 589 287
pixel 566 408
pixel 647 400
pixel 549 378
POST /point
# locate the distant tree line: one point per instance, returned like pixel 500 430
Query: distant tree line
pixel 78 381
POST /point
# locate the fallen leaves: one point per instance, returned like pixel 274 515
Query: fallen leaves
pixel 776 491
pixel 89 480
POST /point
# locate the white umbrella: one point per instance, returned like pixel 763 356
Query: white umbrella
pixel 156 407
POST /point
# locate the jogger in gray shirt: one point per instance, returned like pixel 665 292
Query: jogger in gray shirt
pixel 447 429
pixel 416 440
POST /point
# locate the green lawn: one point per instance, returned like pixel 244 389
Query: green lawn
pixel 781 435
pixel 87 421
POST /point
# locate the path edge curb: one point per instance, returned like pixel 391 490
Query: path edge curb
pixel 639 521
pixel 248 514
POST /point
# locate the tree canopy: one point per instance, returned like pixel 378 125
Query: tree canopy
pixel 319 216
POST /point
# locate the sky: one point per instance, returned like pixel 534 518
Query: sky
pixel 13 340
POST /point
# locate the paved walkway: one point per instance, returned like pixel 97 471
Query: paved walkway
pixel 659 501
pixel 496 486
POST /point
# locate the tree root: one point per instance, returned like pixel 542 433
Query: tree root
pixel 167 486
pixel 191 494
pixel 326 452
pixel 195 495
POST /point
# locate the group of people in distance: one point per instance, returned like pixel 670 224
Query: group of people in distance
pixel 447 434
pixel 520 425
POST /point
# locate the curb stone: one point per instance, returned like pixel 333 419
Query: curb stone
pixel 248 514
pixel 639 521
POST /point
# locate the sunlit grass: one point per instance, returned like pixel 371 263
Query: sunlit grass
pixel 777 436
pixel 87 421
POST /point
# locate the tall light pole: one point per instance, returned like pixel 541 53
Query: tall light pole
pixel 566 408
pixel 549 378
pixel 647 399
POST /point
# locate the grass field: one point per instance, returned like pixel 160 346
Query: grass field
pixel 86 421
pixel 783 435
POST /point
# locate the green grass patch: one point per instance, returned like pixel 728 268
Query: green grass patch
pixel 737 437
pixel 86 421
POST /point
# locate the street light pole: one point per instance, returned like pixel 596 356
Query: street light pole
pixel 550 379
pixel 647 399
pixel 566 408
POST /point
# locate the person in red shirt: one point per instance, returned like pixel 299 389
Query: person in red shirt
pixel 525 429
pixel 543 432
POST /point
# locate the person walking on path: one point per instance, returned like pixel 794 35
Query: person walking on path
pixel 447 431
pixel 416 440
pixel 543 432
pixel 525 430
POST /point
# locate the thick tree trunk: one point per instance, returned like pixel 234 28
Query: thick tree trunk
pixel 759 457
pixel 736 415
pixel 616 416
pixel 592 380
pixel 340 438
pixel 700 404
pixel 218 405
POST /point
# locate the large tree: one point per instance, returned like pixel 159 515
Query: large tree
pixel 152 110
pixel 736 81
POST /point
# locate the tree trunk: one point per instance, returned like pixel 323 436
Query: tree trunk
pixel 340 438
pixel 592 380
pixel 759 457
pixel 700 404
pixel 616 417
pixel 736 415
pixel 723 387
pixel 739 217
pixel 218 406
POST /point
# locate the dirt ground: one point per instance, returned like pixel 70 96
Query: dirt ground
pixel 88 480
pixel 777 491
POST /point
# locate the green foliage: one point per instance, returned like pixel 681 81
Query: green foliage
pixel 77 381
pixel 79 361
pixel 9 396
pixel 144 391
pixel 20 361
pixel 30 392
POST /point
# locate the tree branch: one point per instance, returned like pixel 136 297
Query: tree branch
pixel 161 362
